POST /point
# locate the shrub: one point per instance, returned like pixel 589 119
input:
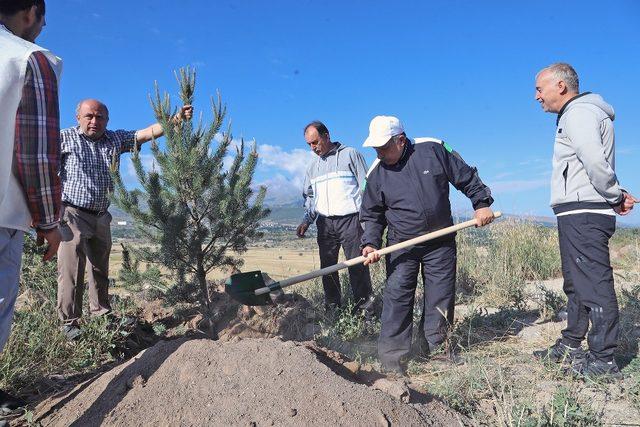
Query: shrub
pixel 36 347
pixel 495 263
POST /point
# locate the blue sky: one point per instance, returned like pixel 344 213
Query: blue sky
pixel 462 71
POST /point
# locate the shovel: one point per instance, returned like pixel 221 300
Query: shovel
pixel 250 288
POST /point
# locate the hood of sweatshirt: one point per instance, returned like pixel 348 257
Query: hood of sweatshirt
pixel 591 99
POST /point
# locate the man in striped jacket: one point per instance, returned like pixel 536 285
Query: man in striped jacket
pixel 332 192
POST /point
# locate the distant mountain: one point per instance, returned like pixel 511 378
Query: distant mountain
pixel 292 213
pixel 288 214
pixel 119 214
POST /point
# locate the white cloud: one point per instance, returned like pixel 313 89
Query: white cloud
pixel 285 170
pixel 281 171
pixel 282 190
pixel 294 162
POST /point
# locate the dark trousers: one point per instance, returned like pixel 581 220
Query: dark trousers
pixel 344 231
pixel 438 262
pixel 588 282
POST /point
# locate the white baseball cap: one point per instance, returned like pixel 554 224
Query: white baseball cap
pixel 381 129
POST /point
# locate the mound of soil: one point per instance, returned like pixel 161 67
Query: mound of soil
pixel 252 382
pixel 292 318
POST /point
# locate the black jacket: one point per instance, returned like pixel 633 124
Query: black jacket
pixel 411 198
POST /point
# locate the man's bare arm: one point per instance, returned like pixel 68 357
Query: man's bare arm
pixel 156 131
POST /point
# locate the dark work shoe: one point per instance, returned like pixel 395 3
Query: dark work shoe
pixel 331 309
pixel 365 308
pixel 440 353
pixel 394 368
pixel 71 332
pixel 593 368
pixel 9 403
pixel 560 353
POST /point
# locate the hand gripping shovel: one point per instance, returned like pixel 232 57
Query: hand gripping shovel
pixel 250 289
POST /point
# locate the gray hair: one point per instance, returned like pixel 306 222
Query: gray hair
pixel 566 73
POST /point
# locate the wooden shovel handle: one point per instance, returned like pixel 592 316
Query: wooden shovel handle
pixel 359 260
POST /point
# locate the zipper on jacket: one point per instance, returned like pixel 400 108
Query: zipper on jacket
pixel 565 173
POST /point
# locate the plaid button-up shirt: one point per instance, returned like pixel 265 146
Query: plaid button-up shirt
pixel 37 144
pixel 86 181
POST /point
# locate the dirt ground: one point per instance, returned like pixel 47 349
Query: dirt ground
pixel 260 370
pixel 253 381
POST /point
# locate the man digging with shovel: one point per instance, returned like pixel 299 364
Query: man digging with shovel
pixel 407 192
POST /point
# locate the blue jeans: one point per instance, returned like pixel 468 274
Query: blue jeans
pixel 10 257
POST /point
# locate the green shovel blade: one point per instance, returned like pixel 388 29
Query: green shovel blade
pixel 242 286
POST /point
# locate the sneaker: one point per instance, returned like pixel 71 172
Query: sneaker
pixel 71 332
pixel 9 403
pixel 594 368
pixel 560 353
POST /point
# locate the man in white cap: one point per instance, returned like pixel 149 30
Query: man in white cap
pixel 407 192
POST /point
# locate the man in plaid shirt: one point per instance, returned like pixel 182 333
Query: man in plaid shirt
pixel 29 151
pixel 88 150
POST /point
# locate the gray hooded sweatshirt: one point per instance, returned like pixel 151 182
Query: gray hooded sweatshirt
pixel 583 174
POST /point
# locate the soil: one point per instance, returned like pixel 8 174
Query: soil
pixel 252 381
pixel 242 365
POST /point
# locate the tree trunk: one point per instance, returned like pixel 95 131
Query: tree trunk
pixel 202 281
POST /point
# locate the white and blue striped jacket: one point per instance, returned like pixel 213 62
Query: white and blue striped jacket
pixel 333 184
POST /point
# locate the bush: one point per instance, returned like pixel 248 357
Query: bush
pixel 36 347
pixel 495 263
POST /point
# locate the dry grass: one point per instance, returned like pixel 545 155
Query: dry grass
pixel 505 311
pixel 277 262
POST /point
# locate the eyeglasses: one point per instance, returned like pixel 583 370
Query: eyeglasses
pixel 388 144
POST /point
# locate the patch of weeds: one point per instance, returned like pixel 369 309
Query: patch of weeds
pixel 566 409
pixel 479 326
pixel 549 302
pixel 632 373
pixel 460 388
pixel 346 325
pixel 494 264
pixel 37 347
pixel 159 329
pixel 629 322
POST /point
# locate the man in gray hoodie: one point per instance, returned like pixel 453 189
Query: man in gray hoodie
pixel 585 196
pixel 332 192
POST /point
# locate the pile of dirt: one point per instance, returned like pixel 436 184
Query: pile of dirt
pixel 252 382
pixel 292 318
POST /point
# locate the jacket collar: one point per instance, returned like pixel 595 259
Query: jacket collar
pixel 334 149
pixel 564 107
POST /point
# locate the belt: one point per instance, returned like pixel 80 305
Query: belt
pixel 81 209
pixel 337 216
